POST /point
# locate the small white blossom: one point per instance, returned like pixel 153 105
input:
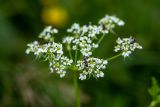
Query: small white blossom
pixel 99 74
pixel 126 45
pixel 95 45
pixel 82 77
pixel 75 29
pixel 74 47
pixel 84 29
pixel 93 31
pixel 33 47
pixel 67 39
pixel 105 62
pixel 47 33
pixel 86 52
pixel 109 22
pixel 121 23
pixel 91 66
pixel 126 53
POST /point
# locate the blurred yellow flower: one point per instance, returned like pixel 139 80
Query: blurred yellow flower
pixel 56 16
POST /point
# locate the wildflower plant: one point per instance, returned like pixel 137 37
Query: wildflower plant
pixel 80 44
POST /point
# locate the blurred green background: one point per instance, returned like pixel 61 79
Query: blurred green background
pixel 26 82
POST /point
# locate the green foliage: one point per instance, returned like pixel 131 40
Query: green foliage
pixel 154 91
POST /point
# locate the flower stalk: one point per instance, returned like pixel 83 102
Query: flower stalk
pixel 114 57
pixel 76 90
pixel 100 40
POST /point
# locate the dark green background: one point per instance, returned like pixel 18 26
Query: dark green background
pixel 26 82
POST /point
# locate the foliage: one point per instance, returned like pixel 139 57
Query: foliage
pixel 154 91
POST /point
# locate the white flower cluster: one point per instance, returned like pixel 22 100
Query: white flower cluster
pixel 67 39
pixel 109 22
pixel 82 40
pixel 127 46
pixel 52 52
pixel 41 49
pixel 60 65
pixel 47 33
pixel 91 66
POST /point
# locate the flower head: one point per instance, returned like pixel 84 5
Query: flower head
pixel 47 33
pixel 51 52
pixel 91 66
pixel 82 40
pixel 126 45
pixel 109 22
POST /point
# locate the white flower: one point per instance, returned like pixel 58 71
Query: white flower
pixel 119 41
pixel 32 47
pixel 103 29
pixel 91 66
pixel 93 30
pixel 74 47
pixel 54 30
pixel 100 74
pixel 27 51
pixel 51 69
pixel 86 52
pixel 61 73
pixel 121 23
pixel 109 22
pixel 67 39
pixel 75 29
pixel 126 54
pixel 84 29
pixel 47 33
pixel 82 77
pixel 105 62
pixel 126 45
pixel 95 45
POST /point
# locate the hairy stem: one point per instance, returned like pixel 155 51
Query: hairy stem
pixel 76 90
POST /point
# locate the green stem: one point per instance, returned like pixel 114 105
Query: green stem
pixel 100 40
pixel 70 54
pixel 114 57
pixel 76 91
pixel 69 51
pixel 76 54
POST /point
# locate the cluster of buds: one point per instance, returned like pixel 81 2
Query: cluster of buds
pixel 82 40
